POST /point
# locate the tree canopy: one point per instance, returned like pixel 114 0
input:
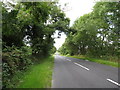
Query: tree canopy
pixel 33 23
pixel 27 33
pixel 96 33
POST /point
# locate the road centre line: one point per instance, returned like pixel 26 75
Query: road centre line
pixel 113 82
pixel 81 66
pixel 68 59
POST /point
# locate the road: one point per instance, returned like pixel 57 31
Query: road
pixel 76 73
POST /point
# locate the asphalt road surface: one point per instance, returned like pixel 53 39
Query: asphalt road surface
pixel 76 73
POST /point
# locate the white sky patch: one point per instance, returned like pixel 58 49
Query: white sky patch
pixel 77 8
pixel 73 10
pixel 59 41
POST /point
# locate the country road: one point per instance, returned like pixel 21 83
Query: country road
pixel 76 73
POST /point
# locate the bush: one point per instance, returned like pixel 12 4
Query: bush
pixel 14 60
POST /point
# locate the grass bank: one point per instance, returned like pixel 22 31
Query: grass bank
pixel 38 75
pixel 101 61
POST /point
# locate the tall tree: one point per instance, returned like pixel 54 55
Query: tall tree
pixel 96 33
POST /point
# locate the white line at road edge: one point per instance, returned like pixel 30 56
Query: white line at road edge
pixel 81 66
pixel 113 82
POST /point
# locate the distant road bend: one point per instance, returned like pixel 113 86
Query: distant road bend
pixel 76 73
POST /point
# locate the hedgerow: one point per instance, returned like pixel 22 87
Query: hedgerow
pixel 14 60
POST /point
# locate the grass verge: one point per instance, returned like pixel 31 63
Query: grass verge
pixel 101 61
pixel 38 75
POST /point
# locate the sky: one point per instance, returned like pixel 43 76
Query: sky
pixel 73 10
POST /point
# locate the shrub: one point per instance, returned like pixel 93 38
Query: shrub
pixel 14 60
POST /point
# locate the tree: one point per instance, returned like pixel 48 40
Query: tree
pixel 96 33
pixel 34 22
pixel 28 28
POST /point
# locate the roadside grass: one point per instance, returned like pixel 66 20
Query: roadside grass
pixel 38 75
pixel 101 61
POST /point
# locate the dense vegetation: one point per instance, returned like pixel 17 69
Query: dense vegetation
pixel 27 30
pixel 95 34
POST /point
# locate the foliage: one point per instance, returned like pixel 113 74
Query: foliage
pixel 96 33
pixel 53 50
pixel 14 60
pixel 29 24
pixel 33 23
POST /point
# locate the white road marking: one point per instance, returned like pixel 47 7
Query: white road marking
pixel 81 66
pixel 86 60
pixel 113 82
pixel 68 59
